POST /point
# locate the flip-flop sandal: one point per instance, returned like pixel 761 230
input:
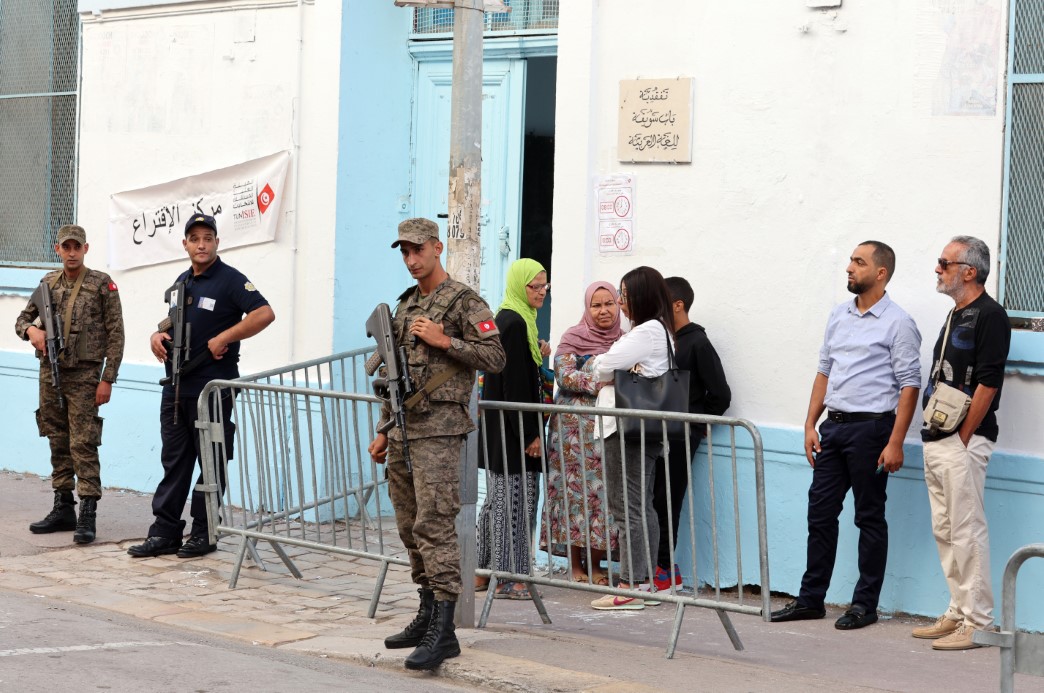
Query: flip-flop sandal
pixel 513 590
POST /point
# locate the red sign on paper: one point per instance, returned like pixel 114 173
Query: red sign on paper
pixel 266 198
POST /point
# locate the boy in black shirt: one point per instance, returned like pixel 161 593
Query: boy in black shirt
pixel 709 393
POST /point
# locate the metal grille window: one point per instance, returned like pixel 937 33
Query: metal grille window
pixel 1022 241
pixel 39 53
pixel 525 17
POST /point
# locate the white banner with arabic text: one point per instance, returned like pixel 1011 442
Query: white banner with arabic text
pixel 146 226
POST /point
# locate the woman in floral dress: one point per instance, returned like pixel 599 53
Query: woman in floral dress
pixel 575 487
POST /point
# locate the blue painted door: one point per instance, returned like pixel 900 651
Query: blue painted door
pixel 503 100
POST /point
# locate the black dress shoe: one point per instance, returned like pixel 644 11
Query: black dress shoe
pixel 196 547
pixel 155 546
pixel 856 617
pixel 795 612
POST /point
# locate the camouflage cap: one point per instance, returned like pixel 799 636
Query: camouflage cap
pixel 417 230
pixel 71 231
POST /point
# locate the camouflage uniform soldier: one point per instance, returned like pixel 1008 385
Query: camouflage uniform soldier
pixel 88 305
pixel 445 326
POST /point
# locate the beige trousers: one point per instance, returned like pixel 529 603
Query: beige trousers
pixel 956 478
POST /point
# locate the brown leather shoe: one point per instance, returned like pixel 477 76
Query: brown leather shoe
pixel 960 639
pixel 942 627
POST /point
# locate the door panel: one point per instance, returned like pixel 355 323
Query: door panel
pixel 503 99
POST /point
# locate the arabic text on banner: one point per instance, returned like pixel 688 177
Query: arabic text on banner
pixel 146 226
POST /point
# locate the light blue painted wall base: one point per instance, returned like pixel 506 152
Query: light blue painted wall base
pixel 914 581
pixel 130 435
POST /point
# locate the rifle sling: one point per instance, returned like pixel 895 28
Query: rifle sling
pixel 430 386
pixel 67 321
pixel 442 377
pixel 195 362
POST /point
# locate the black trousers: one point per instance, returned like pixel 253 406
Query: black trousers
pixel 676 464
pixel 179 456
pixel 848 460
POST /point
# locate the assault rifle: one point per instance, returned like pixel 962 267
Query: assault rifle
pixel 393 383
pixel 41 298
pixel 181 339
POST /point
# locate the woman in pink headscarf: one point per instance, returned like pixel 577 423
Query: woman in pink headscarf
pixel 575 488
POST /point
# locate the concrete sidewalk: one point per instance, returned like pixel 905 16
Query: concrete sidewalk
pixel 583 650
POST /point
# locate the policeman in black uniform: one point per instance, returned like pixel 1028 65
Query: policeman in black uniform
pixel 223 307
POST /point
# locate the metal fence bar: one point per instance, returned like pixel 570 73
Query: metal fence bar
pixel 630 525
pixel 1019 652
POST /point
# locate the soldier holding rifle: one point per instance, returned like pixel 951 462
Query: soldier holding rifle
pixel 75 321
pixel 446 331
pixel 198 342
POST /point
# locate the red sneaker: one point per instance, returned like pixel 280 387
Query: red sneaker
pixel 662 579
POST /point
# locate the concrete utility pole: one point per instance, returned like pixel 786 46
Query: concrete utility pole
pixel 463 242
pixel 464 260
pixel 464 249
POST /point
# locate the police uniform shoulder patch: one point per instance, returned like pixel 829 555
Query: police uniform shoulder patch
pixel 249 286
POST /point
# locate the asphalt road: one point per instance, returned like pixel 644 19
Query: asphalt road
pixel 47 645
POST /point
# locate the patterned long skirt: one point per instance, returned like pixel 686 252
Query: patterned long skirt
pixel 576 493
pixel 506 522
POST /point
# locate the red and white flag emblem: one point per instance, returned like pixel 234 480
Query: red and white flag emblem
pixel 266 198
pixel 486 326
pixel 112 286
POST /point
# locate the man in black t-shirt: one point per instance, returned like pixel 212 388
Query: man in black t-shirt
pixel 223 307
pixel 972 360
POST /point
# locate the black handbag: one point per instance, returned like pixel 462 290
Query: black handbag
pixel 667 392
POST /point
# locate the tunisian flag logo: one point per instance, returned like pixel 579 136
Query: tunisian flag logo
pixel 266 198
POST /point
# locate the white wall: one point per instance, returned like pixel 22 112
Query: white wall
pixel 173 91
pixel 169 95
pixel 813 131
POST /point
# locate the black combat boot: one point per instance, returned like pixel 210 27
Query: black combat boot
pixel 62 517
pixel 439 643
pixel 85 525
pixel 412 634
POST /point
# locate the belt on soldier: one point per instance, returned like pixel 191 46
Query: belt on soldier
pixel 850 417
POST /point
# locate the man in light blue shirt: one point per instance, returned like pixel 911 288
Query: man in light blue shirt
pixel 868 378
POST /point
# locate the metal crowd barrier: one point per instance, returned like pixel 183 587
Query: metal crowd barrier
pixel 1019 652
pixel 300 474
pixel 706 587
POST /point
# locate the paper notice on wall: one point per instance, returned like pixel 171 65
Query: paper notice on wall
pixel 959 56
pixel 615 196
pixel 146 226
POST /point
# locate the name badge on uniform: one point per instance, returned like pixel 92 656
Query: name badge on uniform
pixel 206 303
